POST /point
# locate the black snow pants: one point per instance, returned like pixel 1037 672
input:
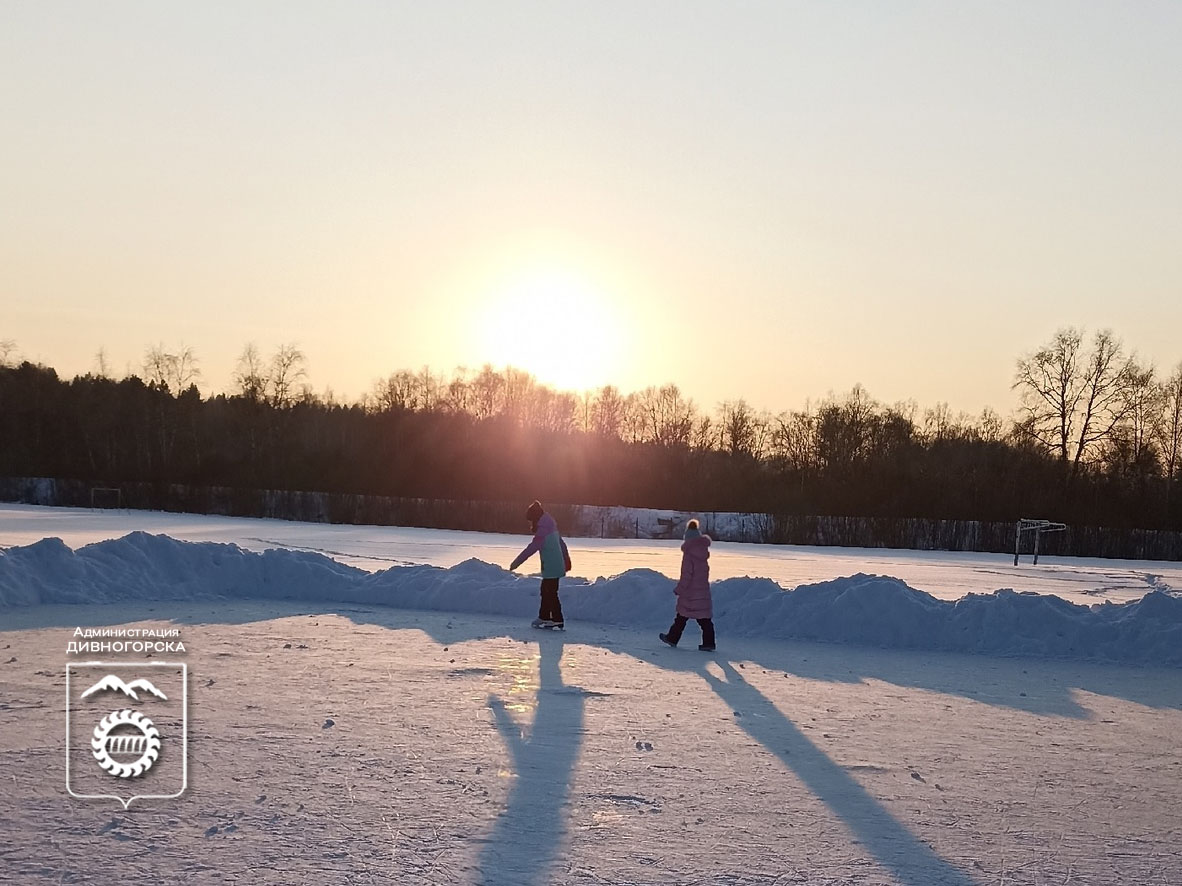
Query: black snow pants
pixel 551 608
pixel 679 623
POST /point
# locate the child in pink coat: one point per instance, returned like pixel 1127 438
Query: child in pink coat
pixel 693 590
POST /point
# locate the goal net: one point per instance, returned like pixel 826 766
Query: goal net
pixel 1035 529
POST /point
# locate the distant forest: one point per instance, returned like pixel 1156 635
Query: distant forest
pixel 1095 440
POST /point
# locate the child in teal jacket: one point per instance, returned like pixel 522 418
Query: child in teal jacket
pixel 548 542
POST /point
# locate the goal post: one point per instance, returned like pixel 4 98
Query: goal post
pixel 1035 528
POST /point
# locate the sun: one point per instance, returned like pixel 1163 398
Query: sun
pixel 554 324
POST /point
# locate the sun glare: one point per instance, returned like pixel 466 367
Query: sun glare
pixel 553 324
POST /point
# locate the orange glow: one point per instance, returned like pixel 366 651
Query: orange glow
pixel 553 324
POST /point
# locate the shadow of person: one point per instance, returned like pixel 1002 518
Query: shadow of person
pixel 910 861
pixel 530 833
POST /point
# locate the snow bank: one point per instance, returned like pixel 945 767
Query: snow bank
pixel 862 609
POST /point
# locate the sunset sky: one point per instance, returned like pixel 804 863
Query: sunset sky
pixel 769 200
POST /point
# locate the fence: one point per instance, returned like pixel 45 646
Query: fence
pixel 595 521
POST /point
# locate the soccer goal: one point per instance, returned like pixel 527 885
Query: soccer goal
pixel 106 497
pixel 1035 528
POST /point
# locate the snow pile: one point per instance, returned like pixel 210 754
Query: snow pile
pixel 863 609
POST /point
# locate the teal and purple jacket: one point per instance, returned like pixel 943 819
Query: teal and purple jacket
pixel 547 542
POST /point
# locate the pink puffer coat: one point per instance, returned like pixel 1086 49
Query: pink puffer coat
pixel 693 591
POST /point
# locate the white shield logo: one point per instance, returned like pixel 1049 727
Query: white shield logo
pixel 127 730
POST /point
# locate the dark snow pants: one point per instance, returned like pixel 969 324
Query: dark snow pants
pixel 679 623
pixel 551 608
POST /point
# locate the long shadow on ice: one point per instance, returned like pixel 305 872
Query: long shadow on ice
pixel 527 836
pixel 1043 687
pixel 910 861
pixel 531 833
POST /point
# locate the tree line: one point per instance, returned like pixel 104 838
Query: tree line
pixel 1095 439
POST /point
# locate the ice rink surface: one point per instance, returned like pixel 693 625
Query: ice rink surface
pixel 344 743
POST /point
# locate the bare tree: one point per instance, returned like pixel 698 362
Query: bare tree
pixel 737 431
pixel 549 410
pixel 428 389
pixel 564 412
pixel 794 441
pixel 175 372
pixel 1144 399
pixel 583 411
pixel 458 395
pixel 744 432
pixel 518 389
pixel 249 375
pixel 396 392
pixel 1168 432
pixel 185 371
pixel 705 434
pixel 844 431
pixel 893 427
pixel 633 424
pixel 608 410
pixel 286 372
pixel 667 416
pixel 989 426
pixel 102 366
pixel 156 366
pixel 1073 399
pixel 765 426
pixel 8 354
pixel 938 423
pixel 488 389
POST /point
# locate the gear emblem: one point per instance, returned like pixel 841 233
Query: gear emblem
pixel 130 752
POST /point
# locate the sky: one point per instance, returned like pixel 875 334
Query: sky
pixel 771 201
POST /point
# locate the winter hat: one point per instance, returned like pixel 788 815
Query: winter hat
pixel 691 530
pixel 534 512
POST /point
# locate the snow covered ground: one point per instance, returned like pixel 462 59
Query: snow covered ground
pixel 353 723
pixel 945 575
